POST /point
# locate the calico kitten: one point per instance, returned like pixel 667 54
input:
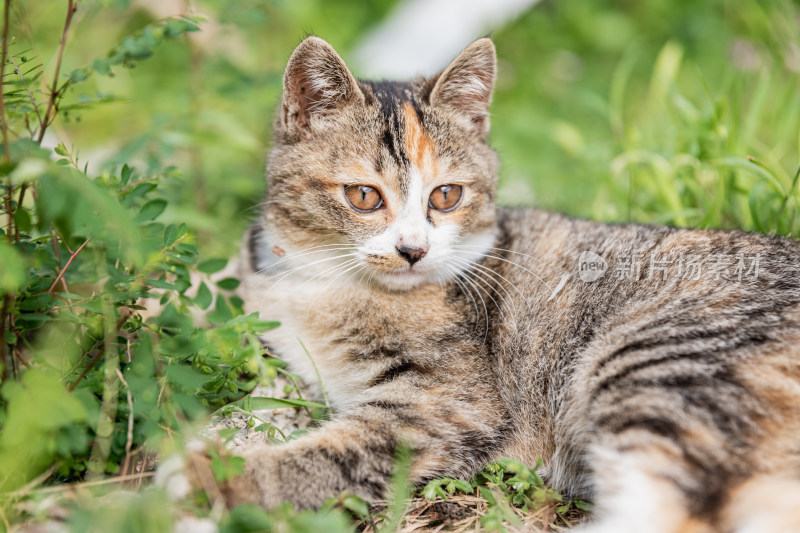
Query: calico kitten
pixel 655 370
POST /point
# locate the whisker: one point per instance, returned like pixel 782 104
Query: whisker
pixel 480 282
pixel 456 273
pixel 301 267
pixel 488 273
pixel 496 249
pixel 326 272
pixel 496 275
pixel 369 279
pixel 355 266
pixel 522 267
pixel 366 271
pixel 257 206
pixel 293 270
pixel 306 251
pixel 478 294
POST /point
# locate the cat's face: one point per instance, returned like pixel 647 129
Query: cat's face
pixel 388 183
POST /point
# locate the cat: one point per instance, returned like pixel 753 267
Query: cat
pixel 655 370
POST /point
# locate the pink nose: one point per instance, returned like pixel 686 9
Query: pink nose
pixel 411 254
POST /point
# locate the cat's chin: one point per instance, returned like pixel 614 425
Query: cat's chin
pixel 405 279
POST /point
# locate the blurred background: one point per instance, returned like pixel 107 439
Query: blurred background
pixel 672 111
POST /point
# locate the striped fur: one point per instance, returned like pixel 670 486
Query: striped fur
pixel 672 399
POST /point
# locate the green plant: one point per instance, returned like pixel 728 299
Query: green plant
pixel 89 384
pixel 505 484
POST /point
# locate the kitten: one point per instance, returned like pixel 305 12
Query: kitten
pixel 655 370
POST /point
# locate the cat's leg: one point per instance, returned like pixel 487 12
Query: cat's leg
pixel 357 452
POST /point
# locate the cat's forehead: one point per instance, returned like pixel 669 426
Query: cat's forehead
pixel 405 141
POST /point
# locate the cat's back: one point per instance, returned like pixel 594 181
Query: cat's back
pixel 572 283
pixel 683 331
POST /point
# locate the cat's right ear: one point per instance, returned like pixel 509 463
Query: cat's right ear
pixel 316 83
pixel 466 85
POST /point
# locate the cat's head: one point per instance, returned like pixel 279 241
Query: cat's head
pixel 382 182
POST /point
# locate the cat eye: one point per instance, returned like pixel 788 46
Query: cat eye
pixel 363 198
pixel 445 198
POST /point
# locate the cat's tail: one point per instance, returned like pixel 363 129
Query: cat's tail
pixel 699 448
pixel 636 499
pixel 767 503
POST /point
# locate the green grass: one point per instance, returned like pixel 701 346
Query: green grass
pixel 661 111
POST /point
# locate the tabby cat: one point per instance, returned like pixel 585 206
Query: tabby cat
pixel 655 370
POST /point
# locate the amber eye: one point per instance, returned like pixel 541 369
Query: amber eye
pixel 363 198
pixel 445 198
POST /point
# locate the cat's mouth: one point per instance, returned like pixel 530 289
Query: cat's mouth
pixel 404 278
pixel 407 271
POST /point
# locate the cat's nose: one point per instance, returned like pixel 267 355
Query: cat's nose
pixel 411 253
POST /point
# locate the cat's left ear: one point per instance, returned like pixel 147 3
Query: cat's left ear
pixel 466 85
pixel 316 84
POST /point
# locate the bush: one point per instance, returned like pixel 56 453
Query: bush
pixel 89 386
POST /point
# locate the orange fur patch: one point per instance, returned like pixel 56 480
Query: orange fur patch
pixel 418 144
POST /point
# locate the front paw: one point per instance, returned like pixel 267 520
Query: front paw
pixel 209 468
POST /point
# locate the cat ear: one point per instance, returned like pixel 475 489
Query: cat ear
pixel 466 85
pixel 316 83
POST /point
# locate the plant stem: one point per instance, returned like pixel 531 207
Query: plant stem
pixel 3 119
pixel 20 199
pixel 69 262
pixel 96 358
pixel 3 344
pixel 296 389
pixel 3 60
pixel 319 377
pixel 34 103
pixel 54 89
pixel 101 449
pixel 129 439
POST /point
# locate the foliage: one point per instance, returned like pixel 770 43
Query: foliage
pixel 504 484
pixel 664 111
pixel 89 384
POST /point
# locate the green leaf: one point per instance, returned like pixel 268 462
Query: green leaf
pixel 79 74
pixel 12 268
pixel 140 190
pixel 211 266
pixel 583 505
pixel 170 235
pixel 76 204
pixel 151 210
pixel 38 409
pixel 32 320
pixel 228 284
pixel 247 518
pixel 161 284
pixel 22 219
pixel 37 301
pixel 125 174
pixel 186 376
pixel 462 485
pixel 356 505
pixel 204 297
pixel 262 403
